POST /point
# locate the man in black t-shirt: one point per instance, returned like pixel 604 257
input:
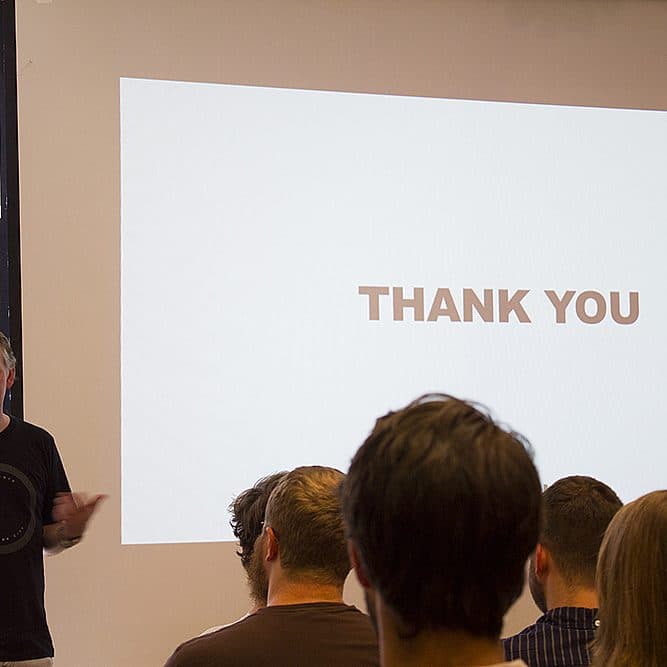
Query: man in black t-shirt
pixel 38 513
pixel 302 552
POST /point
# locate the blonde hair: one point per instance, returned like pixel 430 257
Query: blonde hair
pixel 304 511
pixel 632 586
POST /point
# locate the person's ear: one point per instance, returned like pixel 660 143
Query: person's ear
pixel 357 565
pixel 272 549
pixel 11 376
pixel 541 562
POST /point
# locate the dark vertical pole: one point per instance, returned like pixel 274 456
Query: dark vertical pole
pixel 10 247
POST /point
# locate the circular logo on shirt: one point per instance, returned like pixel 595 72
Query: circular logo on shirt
pixel 17 519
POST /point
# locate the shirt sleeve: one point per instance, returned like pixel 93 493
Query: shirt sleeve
pixel 57 481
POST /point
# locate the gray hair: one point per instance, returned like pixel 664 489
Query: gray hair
pixel 7 353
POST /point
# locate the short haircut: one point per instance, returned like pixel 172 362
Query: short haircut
pixel 444 506
pixel 247 512
pixel 632 586
pixel 304 512
pixel 575 513
pixel 8 357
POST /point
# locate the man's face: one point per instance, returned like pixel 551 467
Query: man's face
pixel 536 588
pixel 257 579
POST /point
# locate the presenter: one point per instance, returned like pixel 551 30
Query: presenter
pixel 39 513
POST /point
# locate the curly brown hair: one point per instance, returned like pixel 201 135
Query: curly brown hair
pixel 247 512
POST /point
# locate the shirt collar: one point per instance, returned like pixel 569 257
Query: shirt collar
pixel 576 618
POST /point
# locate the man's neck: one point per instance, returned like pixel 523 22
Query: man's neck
pixel 447 648
pixel 289 591
pixel 572 597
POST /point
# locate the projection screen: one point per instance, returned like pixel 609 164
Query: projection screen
pixel 296 263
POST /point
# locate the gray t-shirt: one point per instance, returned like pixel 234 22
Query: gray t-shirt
pixel 320 633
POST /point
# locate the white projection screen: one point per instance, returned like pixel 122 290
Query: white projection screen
pixel 296 263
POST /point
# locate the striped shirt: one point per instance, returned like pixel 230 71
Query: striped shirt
pixel 560 638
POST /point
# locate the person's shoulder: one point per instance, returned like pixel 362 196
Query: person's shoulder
pixel 526 632
pixel 346 610
pixel 353 623
pixel 220 645
pixel 355 615
pixel 26 429
pixel 200 651
pixel 515 646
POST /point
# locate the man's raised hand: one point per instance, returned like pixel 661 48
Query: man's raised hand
pixel 74 510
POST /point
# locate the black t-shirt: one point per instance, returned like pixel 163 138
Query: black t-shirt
pixel 31 473
pixel 318 634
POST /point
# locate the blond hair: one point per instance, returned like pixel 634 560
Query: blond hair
pixel 632 586
pixel 304 510
pixel 8 357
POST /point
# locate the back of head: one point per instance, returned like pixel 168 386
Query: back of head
pixel 576 513
pixel 247 512
pixel 304 512
pixel 443 507
pixel 632 586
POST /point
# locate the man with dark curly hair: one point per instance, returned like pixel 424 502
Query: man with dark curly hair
pixel 247 522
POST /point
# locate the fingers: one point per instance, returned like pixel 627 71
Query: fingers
pixel 74 510
pixel 66 505
pixel 92 504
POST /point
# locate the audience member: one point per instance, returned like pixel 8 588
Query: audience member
pixel 302 552
pixel 632 586
pixel 442 509
pixel 247 521
pixel 575 513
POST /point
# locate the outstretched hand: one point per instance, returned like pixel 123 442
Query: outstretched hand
pixel 74 510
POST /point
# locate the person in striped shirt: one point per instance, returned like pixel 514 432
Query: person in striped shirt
pixel 576 513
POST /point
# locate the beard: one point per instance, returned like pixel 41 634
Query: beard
pixel 258 582
pixel 536 588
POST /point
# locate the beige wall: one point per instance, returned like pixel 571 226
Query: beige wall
pixel 111 605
